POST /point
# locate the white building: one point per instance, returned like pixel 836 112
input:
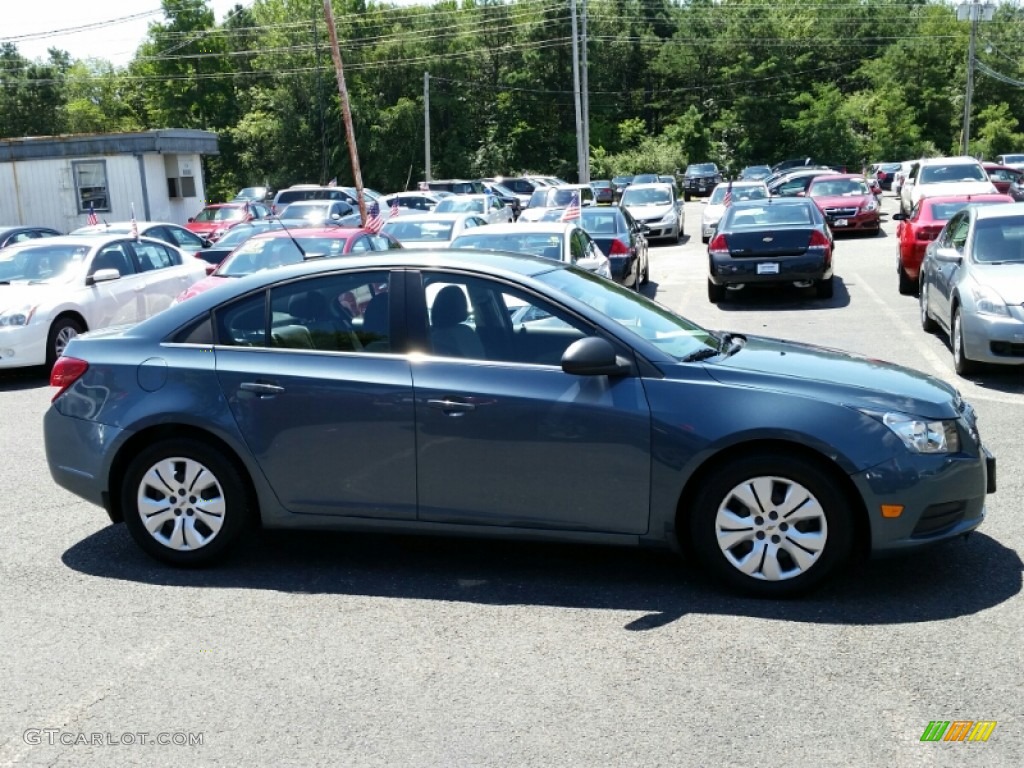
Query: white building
pixel 53 181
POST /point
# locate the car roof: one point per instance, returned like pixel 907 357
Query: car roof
pixel 1006 210
pixel 90 240
pixel 983 197
pixel 804 201
pixel 525 227
pixel 121 227
pixel 651 185
pixel 427 216
pixel 965 159
pixel 305 232
pixel 839 177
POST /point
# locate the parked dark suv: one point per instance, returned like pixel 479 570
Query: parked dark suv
pixel 700 179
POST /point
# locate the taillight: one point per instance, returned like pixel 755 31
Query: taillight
pixel 66 371
pixel 719 245
pixel 928 233
pixel 818 240
pixel 618 248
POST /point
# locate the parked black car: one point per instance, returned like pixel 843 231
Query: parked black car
pixel 700 179
pixel 778 240
pixel 506 195
pixel 12 235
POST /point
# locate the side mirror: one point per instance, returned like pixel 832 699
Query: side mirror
pixel 949 255
pixel 191 219
pixel 594 356
pixel 899 216
pixel 207 243
pixel 103 276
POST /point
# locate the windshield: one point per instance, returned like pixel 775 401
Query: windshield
pixel 602 221
pixel 422 230
pixel 259 253
pixel 999 240
pixel 42 264
pixel 752 192
pixel 222 213
pixel 460 205
pixel 841 188
pixel 651 196
pixel 937 174
pixel 548 245
pixel 753 216
pixel 238 235
pixel 702 169
pixel 309 209
pixel 671 333
pixel 946 211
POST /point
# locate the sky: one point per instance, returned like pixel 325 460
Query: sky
pixel 62 21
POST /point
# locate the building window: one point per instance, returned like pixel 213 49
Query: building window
pixel 91 185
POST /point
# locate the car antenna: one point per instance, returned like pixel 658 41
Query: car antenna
pixel 291 237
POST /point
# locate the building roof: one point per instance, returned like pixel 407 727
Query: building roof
pixel 163 141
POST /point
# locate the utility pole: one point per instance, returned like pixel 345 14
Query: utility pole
pixel 580 154
pixel 320 101
pixel 585 99
pixel 973 12
pixel 426 126
pixel 346 110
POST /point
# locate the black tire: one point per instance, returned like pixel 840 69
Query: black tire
pixel 824 521
pixel 908 287
pixel 824 288
pixel 223 496
pixel 645 276
pixel 716 293
pixel 961 363
pixel 61 332
pixel 928 325
pixel 686 197
pixel 705 240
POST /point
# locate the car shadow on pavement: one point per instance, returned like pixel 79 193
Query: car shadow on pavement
pixel 657 588
pixel 759 298
pixel 994 378
pixel 15 379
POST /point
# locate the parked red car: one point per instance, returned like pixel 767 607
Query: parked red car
pixel 279 246
pixel 214 220
pixel 847 201
pixel 915 231
pixel 1009 181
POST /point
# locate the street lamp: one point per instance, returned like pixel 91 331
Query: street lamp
pixel 973 12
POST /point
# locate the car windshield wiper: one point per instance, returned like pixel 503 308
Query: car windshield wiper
pixel 701 354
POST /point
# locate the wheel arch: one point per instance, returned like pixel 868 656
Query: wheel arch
pixel 773 447
pixel 71 314
pixel 159 432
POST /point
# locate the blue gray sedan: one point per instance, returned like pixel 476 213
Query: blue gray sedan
pixel 485 394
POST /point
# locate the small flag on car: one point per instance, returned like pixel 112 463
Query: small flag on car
pixel 373 219
pixel 572 211
pixel 93 218
pixel 333 182
pixel 394 207
pixel 727 201
pixel 135 226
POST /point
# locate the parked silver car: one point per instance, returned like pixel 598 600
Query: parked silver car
pixel 972 285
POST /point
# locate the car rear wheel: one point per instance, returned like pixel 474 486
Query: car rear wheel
pixel 824 288
pixel 183 502
pixel 961 362
pixel 771 526
pixel 61 333
pixel 908 287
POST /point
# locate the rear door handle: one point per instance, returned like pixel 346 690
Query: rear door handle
pixel 451 406
pixel 261 388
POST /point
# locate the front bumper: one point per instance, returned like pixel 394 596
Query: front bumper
pixel 995 339
pixel 23 345
pixel 942 497
pixel 856 222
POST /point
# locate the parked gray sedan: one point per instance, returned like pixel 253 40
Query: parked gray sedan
pixel 972 285
pixel 410 391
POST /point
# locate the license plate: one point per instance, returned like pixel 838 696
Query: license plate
pixel 768 268
pixel 840 223
pixel 701 189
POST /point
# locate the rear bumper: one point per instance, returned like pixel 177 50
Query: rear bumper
pixel 729 270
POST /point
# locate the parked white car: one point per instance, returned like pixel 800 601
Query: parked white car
pixel 51 290
pixel 715 204
pixel 431 230
pixel 488 206
pixel 935 176
pixel 173 234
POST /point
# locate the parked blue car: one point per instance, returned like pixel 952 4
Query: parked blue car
pixel 486 394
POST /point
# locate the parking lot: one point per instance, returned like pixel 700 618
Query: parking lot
pixel 310 649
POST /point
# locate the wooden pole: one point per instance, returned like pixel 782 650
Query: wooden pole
pixel 346 111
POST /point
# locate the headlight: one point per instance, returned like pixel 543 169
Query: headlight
pixel 923 436
pixel 988 302
pixel 669 217
pixel 18 316
pixel 871 205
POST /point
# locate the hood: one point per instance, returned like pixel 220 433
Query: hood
pixel 20 293
pixel 842 201
pixel 205 227
pixel 840 377
pixel 1005 279
pixel 203 285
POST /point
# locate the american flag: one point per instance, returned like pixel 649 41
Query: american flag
pixel 572 211
pixel 135 226
pixel 394 207
pixel 727 201
pixel 373 218
pixel 93 218
pixel 333 182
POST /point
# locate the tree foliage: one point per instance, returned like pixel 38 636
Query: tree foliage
pixel 733 81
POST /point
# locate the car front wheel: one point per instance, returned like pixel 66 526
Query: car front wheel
pixel 183 502
pixel 928 324
pixel 771 526
pixel 61 333
pixel 961 362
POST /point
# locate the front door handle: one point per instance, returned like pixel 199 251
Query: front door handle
pixel 261 388
pixel 451 406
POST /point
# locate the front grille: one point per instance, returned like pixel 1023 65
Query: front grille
pixel 840 212
pixel 939 518
pixel 1006 349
